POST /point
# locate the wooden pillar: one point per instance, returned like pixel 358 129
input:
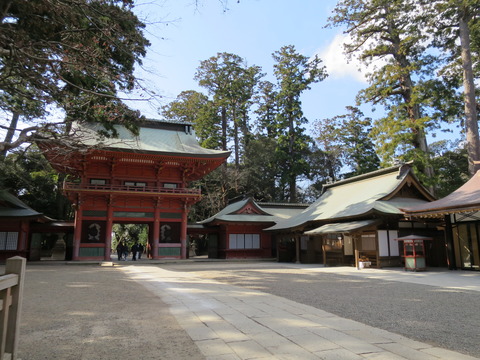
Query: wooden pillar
pixel 77 235
pixel 450 250
pixel 183 232
pixel 108 230
pixel 297 249
pixel 324 252
pixel 156 231
pixel 277 244
pixel 23 235
pixel 15 265
pixel 355 250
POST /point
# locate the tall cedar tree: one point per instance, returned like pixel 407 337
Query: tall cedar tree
pixel 74 55
pixel 295 73
pixel 458 22
pixel 390 35
pixel 231 83
pixel 346 139
pixel 267 110
pixel 194 107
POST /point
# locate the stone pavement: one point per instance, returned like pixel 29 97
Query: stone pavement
pixel 231 322
pixel 452 279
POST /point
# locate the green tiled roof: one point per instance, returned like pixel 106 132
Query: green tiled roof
pixel 341 227
pixel 11 206
pixel 154 137
pixel 356 197
pixel 269 212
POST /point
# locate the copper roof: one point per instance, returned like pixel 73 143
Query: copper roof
pixel 360 197
pixel 265 213
pixel 153 137
pixel 12 207
pixel 464 199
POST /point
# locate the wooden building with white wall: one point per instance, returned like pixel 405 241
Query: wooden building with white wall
pixel 359 219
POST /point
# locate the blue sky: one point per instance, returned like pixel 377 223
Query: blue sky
pixel 183 35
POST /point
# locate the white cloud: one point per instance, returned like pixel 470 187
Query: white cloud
pixel 336 62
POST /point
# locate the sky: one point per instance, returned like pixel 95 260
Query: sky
pixel 183 34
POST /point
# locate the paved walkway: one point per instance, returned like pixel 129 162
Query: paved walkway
pixel 452 279
pixel 230 322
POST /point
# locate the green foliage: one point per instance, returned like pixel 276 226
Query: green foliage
pixel 27 175
pixel 261 172
pixel 267 110
pixel 295 73
pixel 457 37
pixel 232 84
pixel 195 107
pixel 450 161
pixel 73 55
pixel 129 234
pixel 345 142
pixel 390 36
pixel 216 190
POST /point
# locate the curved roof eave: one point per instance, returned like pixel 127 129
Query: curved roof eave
pixel 168 139
pixel 355 198
pixel 466 198
pixel 218 154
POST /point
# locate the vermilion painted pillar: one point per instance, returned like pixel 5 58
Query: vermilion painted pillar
pixel 156 231
pixel 78 232
pixel 183 233
pixel 108 230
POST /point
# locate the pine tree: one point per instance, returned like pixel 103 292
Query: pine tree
pixel 295 73
pixel 389 35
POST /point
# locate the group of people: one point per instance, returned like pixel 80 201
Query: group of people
pixel 123 251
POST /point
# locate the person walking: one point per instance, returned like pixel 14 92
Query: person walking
pixel 119 249
pixel 125 251
pixel 134 251
pixel 140 251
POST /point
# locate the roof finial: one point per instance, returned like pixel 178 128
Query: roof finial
pixel 397 162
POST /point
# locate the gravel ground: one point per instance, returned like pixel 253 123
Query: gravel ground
pixel 442 317
pixel 92 312
pixel 89 312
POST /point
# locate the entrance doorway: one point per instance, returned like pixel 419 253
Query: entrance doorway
pixel 130 242
pixel 468 245
pixel 48 246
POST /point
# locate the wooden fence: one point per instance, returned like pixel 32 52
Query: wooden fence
pixel 11 294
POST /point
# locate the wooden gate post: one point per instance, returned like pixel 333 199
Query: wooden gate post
pixel 15 265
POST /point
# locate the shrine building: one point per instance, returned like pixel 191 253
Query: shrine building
pixel 134 179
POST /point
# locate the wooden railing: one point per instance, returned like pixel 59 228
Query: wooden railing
pixel 11 296
pixel 69 186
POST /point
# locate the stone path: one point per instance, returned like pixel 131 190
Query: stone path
pixel 231 322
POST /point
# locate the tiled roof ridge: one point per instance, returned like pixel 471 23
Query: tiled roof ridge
pixel 282 204
pixel 400 168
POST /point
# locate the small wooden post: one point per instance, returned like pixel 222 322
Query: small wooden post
pixel 15 265
pixel 5 298
pixel 357 253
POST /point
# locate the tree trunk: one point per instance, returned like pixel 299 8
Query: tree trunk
pixel 293 179
pixel 413 111
pixel 11 131
pixel 236 140
pixel 471 124
pixel 224 128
